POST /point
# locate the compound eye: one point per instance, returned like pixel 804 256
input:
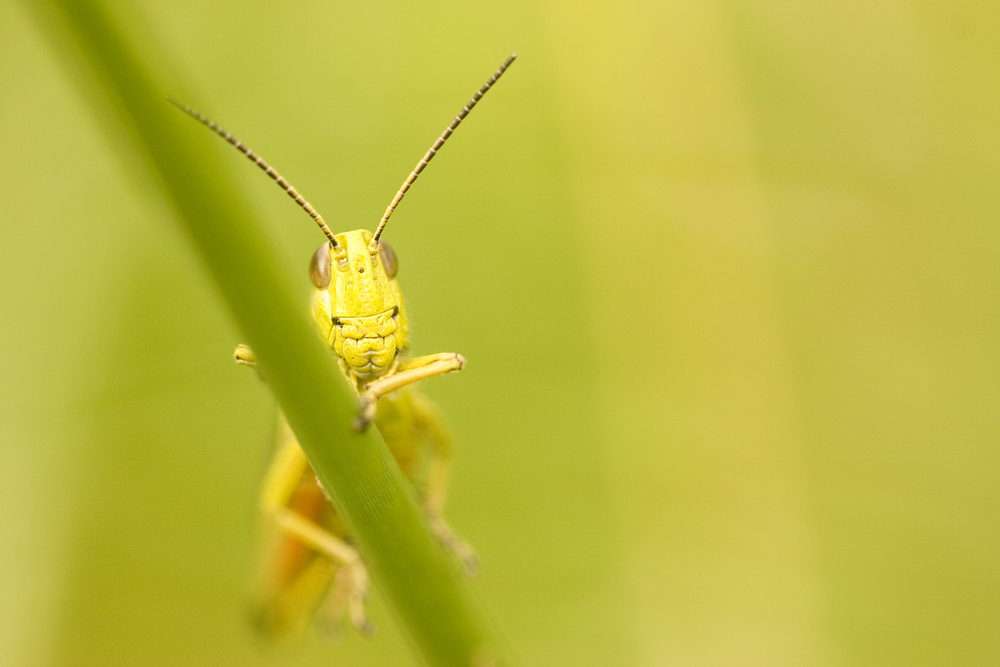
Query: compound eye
pixel 388 257
pixel 319 267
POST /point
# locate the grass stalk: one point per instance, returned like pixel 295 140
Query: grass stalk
pixel 121 78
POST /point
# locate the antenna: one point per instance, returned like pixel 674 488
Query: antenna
pixel 373 245
pixel 256 159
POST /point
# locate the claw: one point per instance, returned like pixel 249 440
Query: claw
pixel 453 543
pixel 367 412
pixel 346 598
pixel 356 601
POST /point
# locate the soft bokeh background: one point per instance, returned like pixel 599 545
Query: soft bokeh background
pixel 726 275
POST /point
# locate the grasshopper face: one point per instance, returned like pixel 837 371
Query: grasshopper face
pixel 357 305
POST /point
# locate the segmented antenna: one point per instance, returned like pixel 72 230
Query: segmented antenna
pixel 373 246
pixel 256 159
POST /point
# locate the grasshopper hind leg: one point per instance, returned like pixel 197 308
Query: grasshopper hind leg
pixel 293 500
pixel 285 608
pixel 336 606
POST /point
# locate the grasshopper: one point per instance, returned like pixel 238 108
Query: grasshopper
pixel 313 568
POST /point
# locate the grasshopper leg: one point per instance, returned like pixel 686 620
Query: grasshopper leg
pixel 331 613
pixel 245 357
pixel 283 477
pixel 408 372
pixel 428 420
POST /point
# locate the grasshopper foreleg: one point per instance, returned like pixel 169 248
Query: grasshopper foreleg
pixel 245 357
pixel 408 372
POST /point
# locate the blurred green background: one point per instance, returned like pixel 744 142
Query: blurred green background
pixel 726 275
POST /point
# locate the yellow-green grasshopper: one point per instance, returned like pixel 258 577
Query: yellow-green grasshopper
pixel 313 568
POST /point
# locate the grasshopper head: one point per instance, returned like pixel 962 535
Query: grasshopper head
pixel 359 283
pixel 357 304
